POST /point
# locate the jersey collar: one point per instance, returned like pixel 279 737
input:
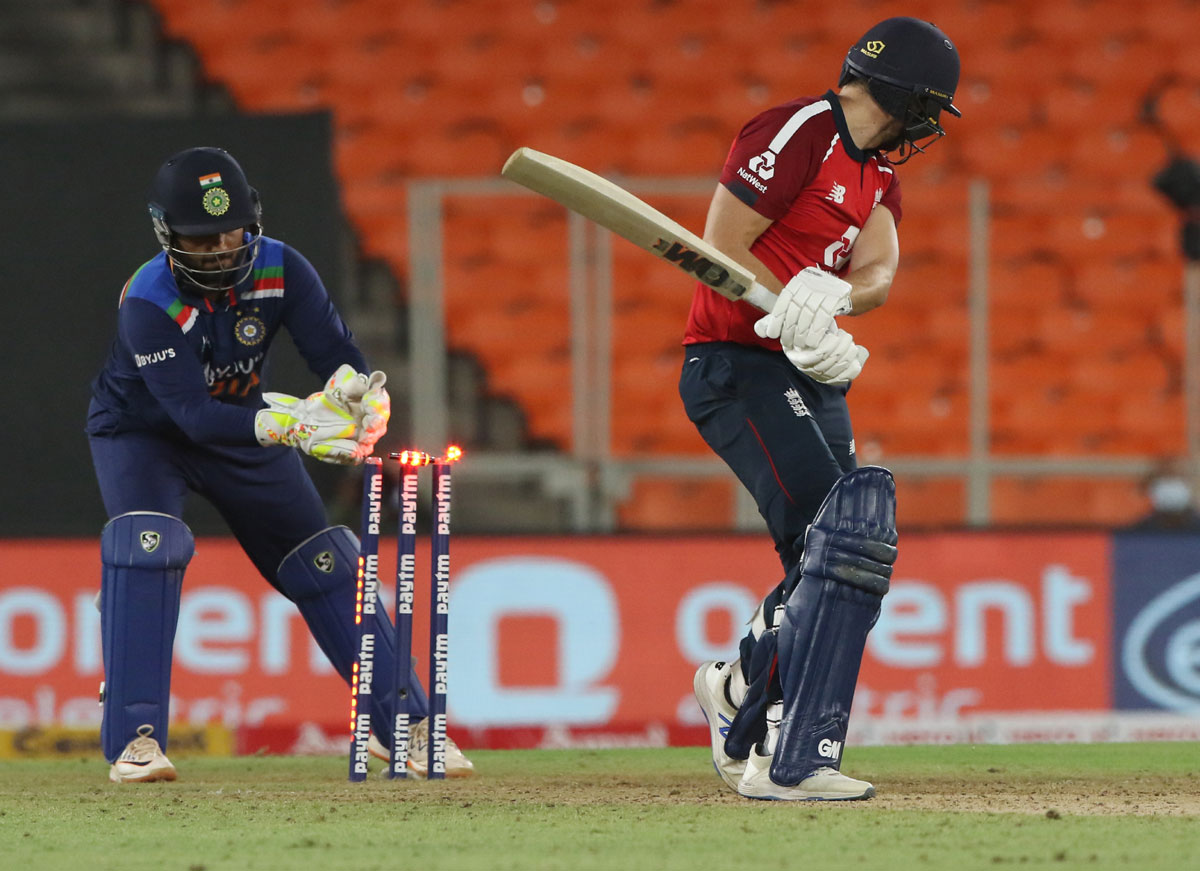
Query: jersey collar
pixel 839 121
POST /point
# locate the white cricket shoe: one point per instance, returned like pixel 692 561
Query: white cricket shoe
pixel 824 784
pixel 375 748
pixel 142 761
pixel 457 765
pixel 709 686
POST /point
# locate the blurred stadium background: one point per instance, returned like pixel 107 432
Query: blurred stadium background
pixel 1035 366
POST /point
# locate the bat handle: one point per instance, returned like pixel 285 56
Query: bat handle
pixel 760 297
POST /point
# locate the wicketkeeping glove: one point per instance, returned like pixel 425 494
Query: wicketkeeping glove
pixel 805 309
pixel 314 425
pixel 365 398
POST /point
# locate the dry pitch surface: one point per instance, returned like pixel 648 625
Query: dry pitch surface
pixel 1099 806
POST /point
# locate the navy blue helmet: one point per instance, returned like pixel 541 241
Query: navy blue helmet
pixel 911 70
pixel 203 192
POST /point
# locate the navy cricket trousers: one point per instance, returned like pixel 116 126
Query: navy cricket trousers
pixel 786 437
pixel 265 495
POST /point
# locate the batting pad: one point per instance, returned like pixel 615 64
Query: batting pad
pixel 846 570
pixel 144 555
pixel 320 576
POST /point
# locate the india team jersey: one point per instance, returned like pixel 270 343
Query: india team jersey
pixel 184 366
pixel 797 165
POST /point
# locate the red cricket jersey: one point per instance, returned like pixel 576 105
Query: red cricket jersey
pixel 797 165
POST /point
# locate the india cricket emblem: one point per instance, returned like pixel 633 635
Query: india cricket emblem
pixel 149 541
pixel 324 562
pixel 216 201
pixel 249 330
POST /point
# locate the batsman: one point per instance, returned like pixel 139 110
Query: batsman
pixel 179 407
pixel 808 201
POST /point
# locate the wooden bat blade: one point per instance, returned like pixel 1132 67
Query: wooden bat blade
pixel 613 207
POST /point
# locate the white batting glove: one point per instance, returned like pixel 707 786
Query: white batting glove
pixel 365 398
pixel 805 308
pixel 314 425
pixel 835 359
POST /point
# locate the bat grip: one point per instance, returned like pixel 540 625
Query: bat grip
pixel 760 297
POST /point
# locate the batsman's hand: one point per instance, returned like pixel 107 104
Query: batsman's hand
pixel 365 398
pixel 805 309
pixel 314 425
pixel 834 359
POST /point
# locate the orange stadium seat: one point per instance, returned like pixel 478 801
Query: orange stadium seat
pixel 1065 501
pixel 1016 151
pixel 1122 67
pixel 929 502
pixel 665 504
pixel 1014 72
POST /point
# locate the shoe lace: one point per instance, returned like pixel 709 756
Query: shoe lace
pixel 141 749
pixel 143 746
pixel 419 736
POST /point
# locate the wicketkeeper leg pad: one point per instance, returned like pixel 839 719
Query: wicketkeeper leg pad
pixel 320 575
pixel 846 569
pixel 144 554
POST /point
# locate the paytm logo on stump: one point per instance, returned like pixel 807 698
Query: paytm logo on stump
pixel 1156 618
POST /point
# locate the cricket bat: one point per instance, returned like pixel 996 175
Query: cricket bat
pixel 613 207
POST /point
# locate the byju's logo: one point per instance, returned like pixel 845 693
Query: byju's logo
pixel 1160 652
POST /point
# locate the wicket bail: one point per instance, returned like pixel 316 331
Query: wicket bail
pixel 367 599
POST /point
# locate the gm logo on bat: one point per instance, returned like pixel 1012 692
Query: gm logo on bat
pixel 712 274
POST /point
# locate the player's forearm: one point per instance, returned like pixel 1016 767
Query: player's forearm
pixel 742 255
pixel 733 227
pixel 869 286
pixel 215 423
pixel 873 262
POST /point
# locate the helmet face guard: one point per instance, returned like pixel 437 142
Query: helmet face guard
pixel 911 70
pixel 205 270
pixel 202 192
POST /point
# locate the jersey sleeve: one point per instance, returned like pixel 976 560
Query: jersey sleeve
pixel 891 198
pixel 769 165
pixel 320 334
pixel 175 377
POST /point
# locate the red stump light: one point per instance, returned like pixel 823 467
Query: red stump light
pixel 420 458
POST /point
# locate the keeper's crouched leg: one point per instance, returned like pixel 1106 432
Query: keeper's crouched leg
pixel 320 575
pixel 144 555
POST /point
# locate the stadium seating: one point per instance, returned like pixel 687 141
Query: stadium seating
pixel 1086 325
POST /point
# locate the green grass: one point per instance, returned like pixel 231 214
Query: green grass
pixel 1068 806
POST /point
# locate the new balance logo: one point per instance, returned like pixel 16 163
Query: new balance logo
pixel 837 193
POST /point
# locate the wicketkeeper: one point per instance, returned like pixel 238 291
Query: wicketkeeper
pixel 179 407
pixel 808 202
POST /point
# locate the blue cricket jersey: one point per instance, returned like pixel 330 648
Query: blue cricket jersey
pixel 183 366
